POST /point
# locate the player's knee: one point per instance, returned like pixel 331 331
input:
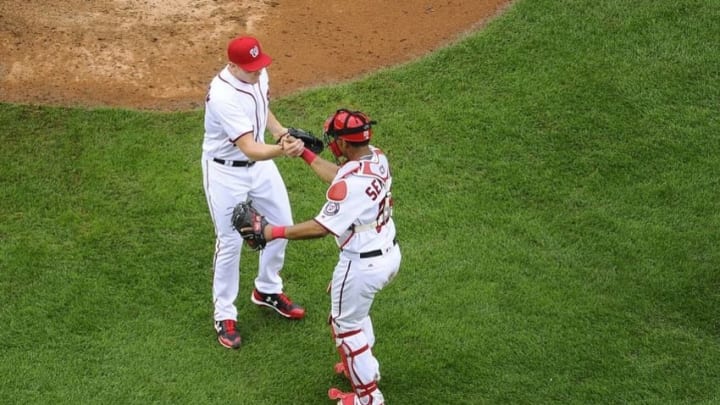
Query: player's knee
pixel 229 242
pixel 343 326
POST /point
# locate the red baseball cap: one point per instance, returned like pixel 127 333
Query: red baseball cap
pixel 246 53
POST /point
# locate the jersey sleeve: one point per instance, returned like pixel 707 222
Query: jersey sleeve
pixel 345 203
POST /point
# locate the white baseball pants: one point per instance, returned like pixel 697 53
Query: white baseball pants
pixel 354 285
pixel 225 187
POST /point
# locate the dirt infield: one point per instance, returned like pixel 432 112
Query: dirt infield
pixel 161 54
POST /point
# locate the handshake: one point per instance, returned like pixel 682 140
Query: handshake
pixel 296 140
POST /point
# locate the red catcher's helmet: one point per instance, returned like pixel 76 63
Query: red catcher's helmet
pixel 351 126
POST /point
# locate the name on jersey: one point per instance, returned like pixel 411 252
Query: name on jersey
pixel 373 191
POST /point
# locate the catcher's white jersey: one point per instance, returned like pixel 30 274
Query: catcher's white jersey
pixel 358 210
pixel 233 108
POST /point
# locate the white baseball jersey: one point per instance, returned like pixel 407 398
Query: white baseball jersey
pixel 358 211
pixel 359 206
pixel 233 108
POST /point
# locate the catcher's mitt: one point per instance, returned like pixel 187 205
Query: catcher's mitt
pixel 250 224
pixel 311 142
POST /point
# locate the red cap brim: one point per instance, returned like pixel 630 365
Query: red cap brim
pixel 262 61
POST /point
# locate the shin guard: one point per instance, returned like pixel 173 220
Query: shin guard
pixel 360 366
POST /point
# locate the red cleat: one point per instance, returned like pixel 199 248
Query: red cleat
pixel 227 335
pixel 281 303
pixel 345 398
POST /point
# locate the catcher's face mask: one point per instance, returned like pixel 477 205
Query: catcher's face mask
pixel 350 126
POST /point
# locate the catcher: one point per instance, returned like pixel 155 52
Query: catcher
pixel 358 212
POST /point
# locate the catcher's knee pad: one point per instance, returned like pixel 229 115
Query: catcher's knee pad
pixel 361 367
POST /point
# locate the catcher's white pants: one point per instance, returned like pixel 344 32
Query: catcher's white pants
pixel 354 285
pixel 226 186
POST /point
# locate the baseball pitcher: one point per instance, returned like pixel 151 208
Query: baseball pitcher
pixel 237 165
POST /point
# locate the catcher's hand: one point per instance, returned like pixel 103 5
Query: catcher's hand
pixel 250 224
pixel 311 142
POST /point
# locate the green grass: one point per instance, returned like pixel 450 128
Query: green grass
pixel 556 178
